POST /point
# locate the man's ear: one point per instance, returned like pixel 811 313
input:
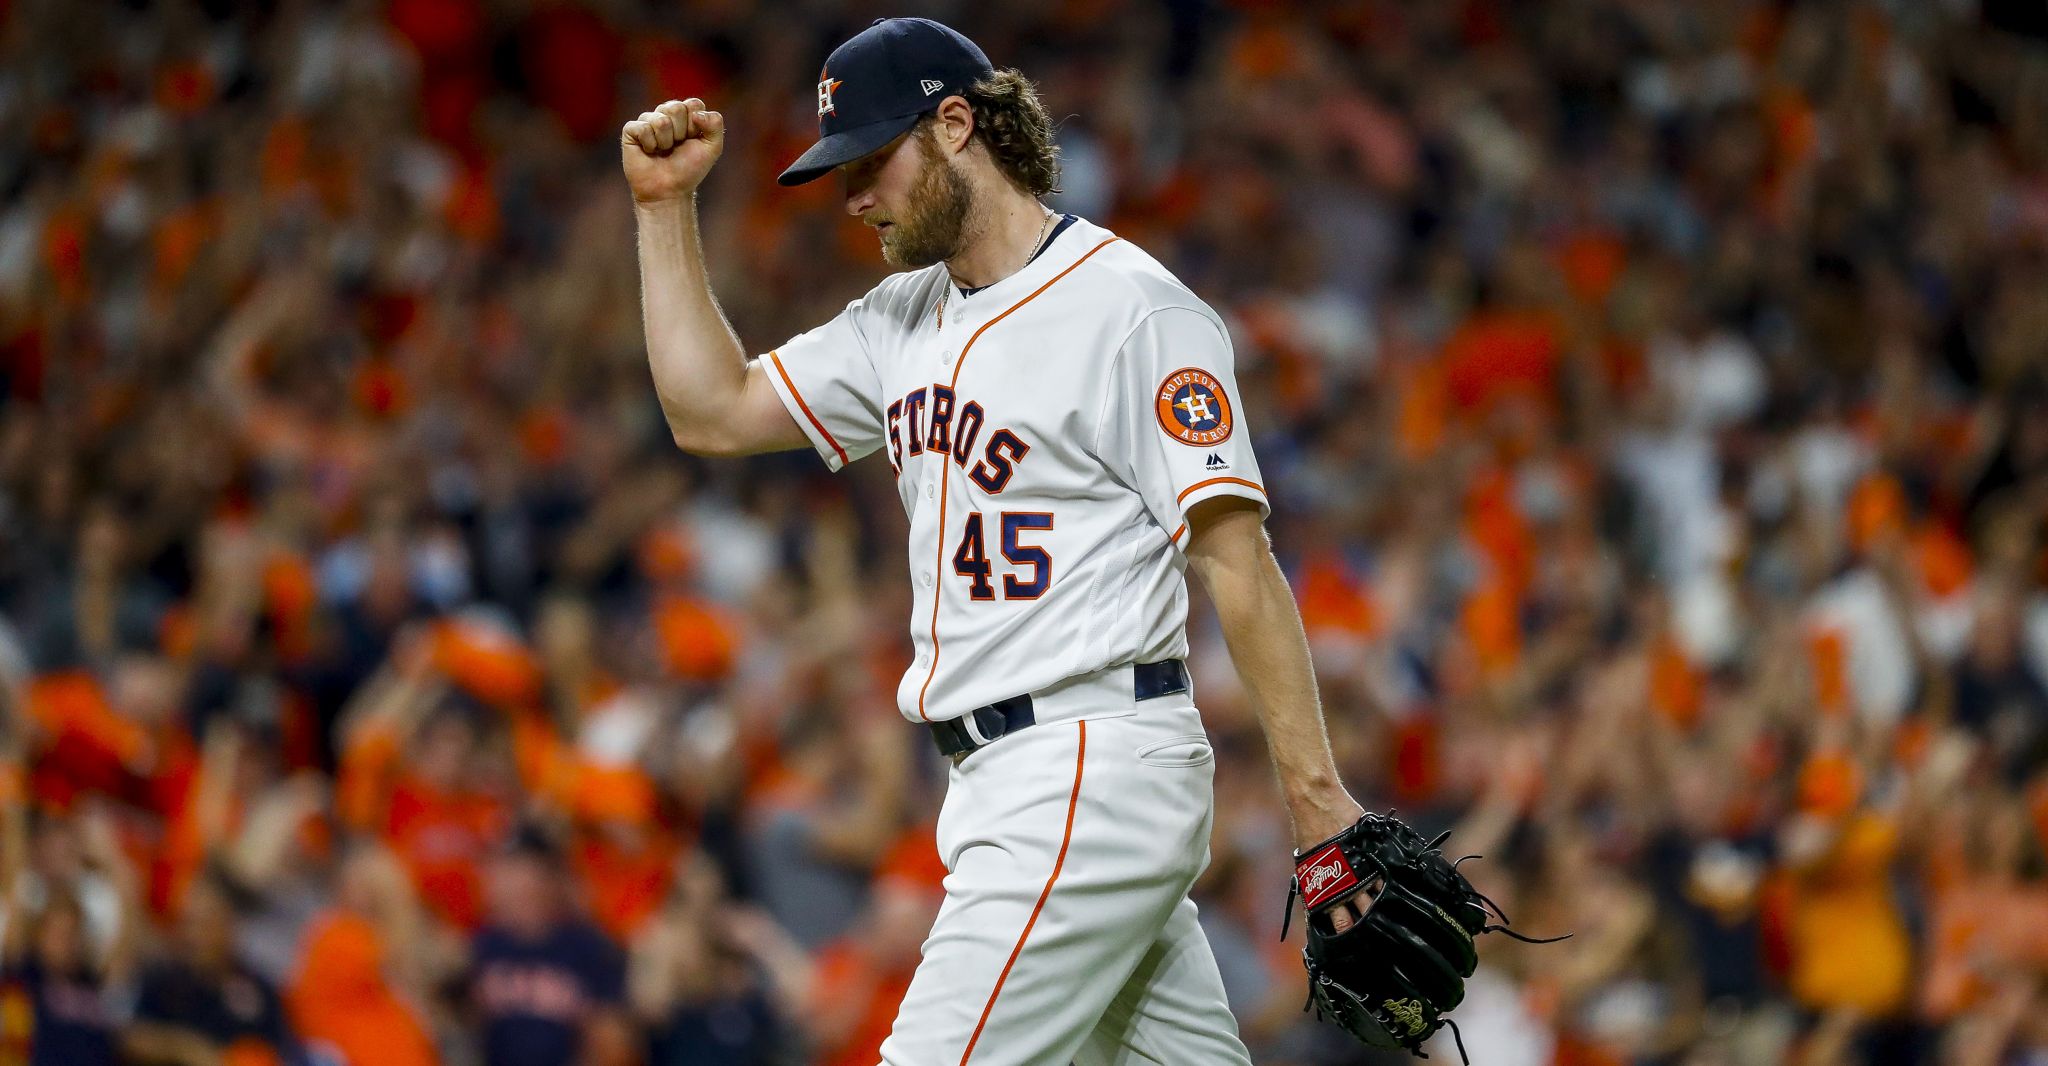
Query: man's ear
pixel 953 124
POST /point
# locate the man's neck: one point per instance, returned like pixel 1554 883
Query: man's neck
pixel 1003 243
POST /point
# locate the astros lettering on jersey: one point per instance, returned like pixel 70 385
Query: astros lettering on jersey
pixel 1049 435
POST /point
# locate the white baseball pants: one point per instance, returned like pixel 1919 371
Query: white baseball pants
pixel 1067 935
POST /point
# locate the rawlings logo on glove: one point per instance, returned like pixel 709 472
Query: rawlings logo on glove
pixel 1390 978
pixel 1323 875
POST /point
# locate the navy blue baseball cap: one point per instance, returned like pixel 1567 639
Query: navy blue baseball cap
pixel 879 84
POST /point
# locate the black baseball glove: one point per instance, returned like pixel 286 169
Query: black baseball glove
pixel 1392 976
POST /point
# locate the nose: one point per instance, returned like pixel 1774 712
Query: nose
pixel 858 182
pixel 859 201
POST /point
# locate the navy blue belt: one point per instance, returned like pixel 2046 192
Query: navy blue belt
pixel 1003 717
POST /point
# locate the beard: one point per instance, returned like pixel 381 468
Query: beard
pixel 941 204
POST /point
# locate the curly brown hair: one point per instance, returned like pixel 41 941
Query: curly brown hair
pixel 1013 126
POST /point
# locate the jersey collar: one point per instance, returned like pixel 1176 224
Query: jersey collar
pixel 1065 222
pixel 1071 238
pixel 949 311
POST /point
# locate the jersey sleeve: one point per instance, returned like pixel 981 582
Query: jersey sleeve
pixel 1174 428
pixel 827 379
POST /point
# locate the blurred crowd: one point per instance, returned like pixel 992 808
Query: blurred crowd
pixel 1654 396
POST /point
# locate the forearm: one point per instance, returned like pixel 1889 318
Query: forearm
pixel 259 852
pixel 132 923
pixel 699 365
pixel 1263 631
pixel 213 798
pixel 649 987
pixel 14 940
pixel 862 830
pixel 792 979
pixel 166 1045
pixel 13 830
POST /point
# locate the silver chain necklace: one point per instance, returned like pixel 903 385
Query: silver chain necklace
pixel 1037 246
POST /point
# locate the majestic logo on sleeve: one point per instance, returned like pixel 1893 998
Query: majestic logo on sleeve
pixel 1192 408
pixel 826 83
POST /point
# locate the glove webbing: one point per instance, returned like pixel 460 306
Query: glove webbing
pixel 1457 1036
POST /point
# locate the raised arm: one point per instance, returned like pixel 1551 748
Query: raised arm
pixel 14 858
pixel 103 849
pixel 1229 554
pixel 715 400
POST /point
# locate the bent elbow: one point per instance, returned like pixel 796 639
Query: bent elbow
pixel 711 442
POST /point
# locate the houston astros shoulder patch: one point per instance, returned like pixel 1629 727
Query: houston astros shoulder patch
pixel 1193 409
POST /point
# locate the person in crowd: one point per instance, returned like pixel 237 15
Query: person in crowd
pixel 713 980
pixel 359 995
pixel 546 986
pixel 199 1005
pixel 49 956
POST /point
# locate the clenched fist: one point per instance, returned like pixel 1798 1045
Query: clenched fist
pixel 667 151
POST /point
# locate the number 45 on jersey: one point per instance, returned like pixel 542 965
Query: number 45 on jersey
pixel 1033 573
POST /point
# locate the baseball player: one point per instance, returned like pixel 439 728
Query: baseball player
pixel 1067 438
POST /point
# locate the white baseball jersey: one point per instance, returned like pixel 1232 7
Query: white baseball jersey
pixel 1049 435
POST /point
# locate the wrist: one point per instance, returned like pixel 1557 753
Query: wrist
pixel 683 204
pixel 1321 815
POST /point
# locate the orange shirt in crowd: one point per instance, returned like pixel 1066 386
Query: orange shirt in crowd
pixel 850 981
pixel 1333 600
pixel 1849 945
pixel 443 838
pixel 1979 929
pixel 368 763
pixel 487 663
pixel 697 640
pixel 342 1004
pixel 182 852
pixel 845 976
pixel 90 746
pixel 1501 352
pixel 626 884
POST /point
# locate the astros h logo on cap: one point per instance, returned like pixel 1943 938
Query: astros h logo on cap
pixel 826 83
pixel 879 84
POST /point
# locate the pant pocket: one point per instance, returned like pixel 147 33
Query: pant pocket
pixel 1189 750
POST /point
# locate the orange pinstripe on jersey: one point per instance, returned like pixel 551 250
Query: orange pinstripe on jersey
pixel 1199 485
pixel 1073 801
pixel 1204 484
pixel 822 431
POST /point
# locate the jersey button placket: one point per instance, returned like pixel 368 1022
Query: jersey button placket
pixel 938 488
pixel 940 468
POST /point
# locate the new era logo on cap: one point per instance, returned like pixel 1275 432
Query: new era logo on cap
pixel 930 86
